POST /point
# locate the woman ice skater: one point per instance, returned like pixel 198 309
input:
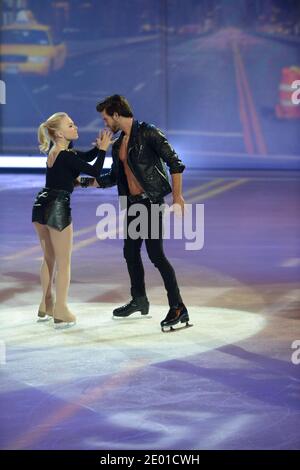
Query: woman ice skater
pixel 51 213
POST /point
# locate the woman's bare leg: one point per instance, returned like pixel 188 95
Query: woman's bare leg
pixel 62 244
pixel 47 269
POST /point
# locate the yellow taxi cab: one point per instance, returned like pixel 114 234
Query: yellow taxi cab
pixel 30 48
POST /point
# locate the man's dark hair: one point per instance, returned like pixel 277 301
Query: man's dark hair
pixel 115 104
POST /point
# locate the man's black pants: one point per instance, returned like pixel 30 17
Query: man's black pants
pixel 154 246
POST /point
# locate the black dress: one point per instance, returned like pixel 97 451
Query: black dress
pixel 52 204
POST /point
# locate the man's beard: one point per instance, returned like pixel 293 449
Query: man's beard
pixel 115 128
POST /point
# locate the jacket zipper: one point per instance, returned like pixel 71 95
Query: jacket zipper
pixel 140 150
pixel 160 172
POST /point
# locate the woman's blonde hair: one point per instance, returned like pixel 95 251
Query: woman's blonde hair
pixel 46 131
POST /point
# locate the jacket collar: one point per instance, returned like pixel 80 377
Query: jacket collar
pixel 132 137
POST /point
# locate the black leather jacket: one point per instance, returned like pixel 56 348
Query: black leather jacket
pixel 148 152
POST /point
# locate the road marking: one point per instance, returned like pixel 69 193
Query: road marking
pixel 249 117
pixel 71 97
pixel 91 228
pixel 216 191
pixel 67 410
pixel 242 108
pixel 89 241
pixel 198 198
pixel 139 86
pixel 290 297
pixel 94 239
pixel 141 39
pixel 196 133
pixel 196 189
pixel 94 61
pixel 84 243
pixel 36 248
pixel 93 126
pixel 291 263
pixel 116 231
pixel 261 145
pixel 40 89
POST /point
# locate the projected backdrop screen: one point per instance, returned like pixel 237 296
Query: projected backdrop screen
pixel 217 76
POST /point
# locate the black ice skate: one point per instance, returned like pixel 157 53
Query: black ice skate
pixel 176 314
pixel 137 304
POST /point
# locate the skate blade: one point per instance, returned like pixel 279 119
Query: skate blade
pixel 174 328
pixel 44 319
pixel 64 325
pixel 43 316
pixel 131 317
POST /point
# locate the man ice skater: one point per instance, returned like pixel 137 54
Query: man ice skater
pixel 138 169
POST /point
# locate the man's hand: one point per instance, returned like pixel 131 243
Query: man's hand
pixel 76 182
pixel 178 203
pixel 95 183
pixel 177 194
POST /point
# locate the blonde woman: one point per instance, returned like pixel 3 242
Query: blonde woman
pixel 51 213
